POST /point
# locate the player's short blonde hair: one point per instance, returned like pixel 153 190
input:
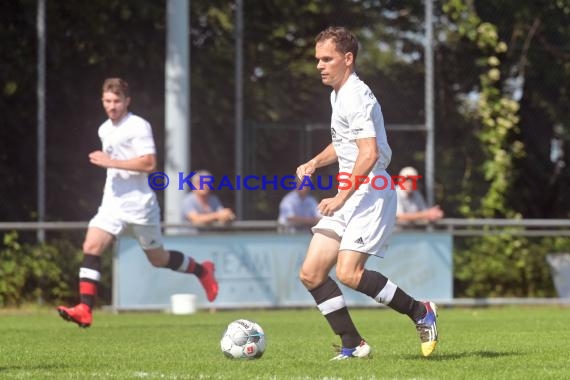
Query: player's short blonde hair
pixel 117 86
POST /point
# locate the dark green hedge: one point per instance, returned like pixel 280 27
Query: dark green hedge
pixel 45 273
pixel 505 265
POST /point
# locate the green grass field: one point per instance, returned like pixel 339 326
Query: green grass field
pixel 481 343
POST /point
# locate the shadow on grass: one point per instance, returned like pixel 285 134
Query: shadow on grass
pixel 460 355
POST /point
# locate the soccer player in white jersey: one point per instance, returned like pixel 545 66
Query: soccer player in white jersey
pixel 358 221
pixel 128 205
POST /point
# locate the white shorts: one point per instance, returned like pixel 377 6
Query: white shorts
pixel 149 236
pixel 365 223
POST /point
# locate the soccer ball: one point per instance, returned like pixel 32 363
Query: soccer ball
pixel 243 339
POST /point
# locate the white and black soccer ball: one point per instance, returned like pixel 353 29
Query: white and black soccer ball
pixel 243 339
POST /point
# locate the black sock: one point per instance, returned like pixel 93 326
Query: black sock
pixel 384 291
pixel 89 276
pixel 195 268
pixel 330 302
pixel 371 283
pixel 175 260
pixel 179 262
pixel 405 304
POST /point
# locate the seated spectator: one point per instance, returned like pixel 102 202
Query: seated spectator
pixel 201 207
pixel 411 204
pixel 298 210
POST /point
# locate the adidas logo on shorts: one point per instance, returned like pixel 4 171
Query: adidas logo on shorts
pixel 359 241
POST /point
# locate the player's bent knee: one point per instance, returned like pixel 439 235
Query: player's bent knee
pixel 93 248
pixel 157 257
pixel 303 277
pixel 347 277
pixel 311 280
pixel 155 263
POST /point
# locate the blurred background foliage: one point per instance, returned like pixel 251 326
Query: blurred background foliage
pixel 502 85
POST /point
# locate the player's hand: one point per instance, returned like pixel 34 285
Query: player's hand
pixel 100 158
pixel 328 206
pixel 306 169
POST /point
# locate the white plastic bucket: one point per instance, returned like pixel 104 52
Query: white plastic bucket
pixel 183 303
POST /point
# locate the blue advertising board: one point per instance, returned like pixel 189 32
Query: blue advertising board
pixel 261 270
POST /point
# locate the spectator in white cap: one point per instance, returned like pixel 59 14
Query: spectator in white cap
pixel 411 204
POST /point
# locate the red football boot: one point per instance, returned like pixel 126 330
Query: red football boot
pixel 80 314
pixel 208 280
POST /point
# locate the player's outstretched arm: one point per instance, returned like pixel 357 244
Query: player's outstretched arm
pixel 326 157
pixel 145 163
pixel 367 156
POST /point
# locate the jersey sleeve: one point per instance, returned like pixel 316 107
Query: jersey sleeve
pixel 360 110
pixel 143 141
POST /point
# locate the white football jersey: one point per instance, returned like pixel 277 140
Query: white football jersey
pixel 127 194
pixel 365 222
pixel 357 114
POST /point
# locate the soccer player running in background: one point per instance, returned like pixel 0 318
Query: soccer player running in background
pixel 128 205
pixel 358 221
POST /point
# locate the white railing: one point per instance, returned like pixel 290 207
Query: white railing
pixel 454 226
